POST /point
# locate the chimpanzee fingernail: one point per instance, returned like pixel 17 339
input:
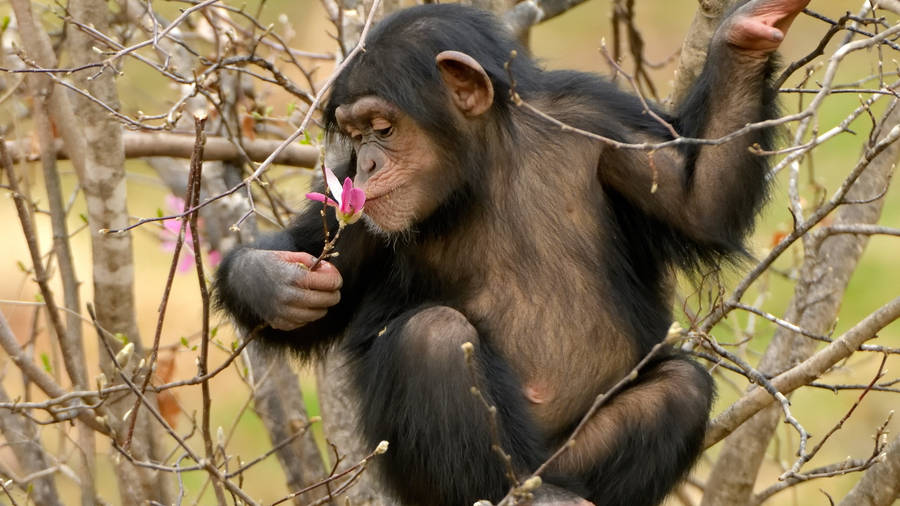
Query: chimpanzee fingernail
pixel 777 35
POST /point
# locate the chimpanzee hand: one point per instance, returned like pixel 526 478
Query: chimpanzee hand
pixel 287 294
pixel 760 25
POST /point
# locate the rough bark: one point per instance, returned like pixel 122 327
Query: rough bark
pixel 103 183
pixel 22 437
pixel 520 17
pixel 71 344
pixel 824 275
pixel 340 413
pixel 693 50
pixel 49 104
pixel 279 403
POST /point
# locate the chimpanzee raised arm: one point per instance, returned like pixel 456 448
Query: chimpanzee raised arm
pixel 711 193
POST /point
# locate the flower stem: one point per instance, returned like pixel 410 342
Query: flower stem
pixel 329 246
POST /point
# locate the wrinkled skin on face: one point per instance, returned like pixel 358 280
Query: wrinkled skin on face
pixel 397 165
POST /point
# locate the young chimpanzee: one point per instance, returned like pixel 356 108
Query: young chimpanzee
pixel 552 253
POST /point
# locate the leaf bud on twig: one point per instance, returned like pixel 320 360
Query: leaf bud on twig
pixel 124 355
pixel 101 381
pixel 675 332
pixel 531 484
pixel 468 348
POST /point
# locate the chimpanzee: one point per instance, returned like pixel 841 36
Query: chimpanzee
pixel 551 252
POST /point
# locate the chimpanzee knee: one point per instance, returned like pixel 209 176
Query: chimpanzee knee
pixel 416 392
pixel 433 338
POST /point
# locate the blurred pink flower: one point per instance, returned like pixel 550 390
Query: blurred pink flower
pixel 348 201
pixel 170 235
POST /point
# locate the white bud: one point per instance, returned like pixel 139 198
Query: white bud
pixel 468 349
pixel 531 484
pixel 675 331
pixel 220 436
pixel 382 448
pixel 125 354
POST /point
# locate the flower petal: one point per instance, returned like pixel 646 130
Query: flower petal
pixel 214 257
pixel 186 261
pixel 318 197
pixel 174 203
pixel 345 195
pixel 334 186
pixel 356 199
pixel 173 226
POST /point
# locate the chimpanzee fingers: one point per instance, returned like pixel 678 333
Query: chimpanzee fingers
pixel 292 318
pixel 325 278
pixel 748 30
pixel 295 257
pixel 761 25
pixel 311 299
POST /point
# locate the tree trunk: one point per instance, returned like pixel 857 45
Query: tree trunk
pixel 103 183
pixel 22 437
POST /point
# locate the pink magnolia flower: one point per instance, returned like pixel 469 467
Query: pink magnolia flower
pixel 348 201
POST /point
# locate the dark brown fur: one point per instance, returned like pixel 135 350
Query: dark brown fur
pixel 552 253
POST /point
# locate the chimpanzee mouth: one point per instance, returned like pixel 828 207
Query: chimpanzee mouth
pixel 382 195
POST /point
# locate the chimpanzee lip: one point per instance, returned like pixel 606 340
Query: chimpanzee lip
pixel 382 195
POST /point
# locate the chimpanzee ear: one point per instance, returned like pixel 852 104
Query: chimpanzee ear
pixel 468 83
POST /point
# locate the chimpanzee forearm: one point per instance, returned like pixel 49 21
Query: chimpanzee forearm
pixel 726 182
pixel 706 196
pixel 708 193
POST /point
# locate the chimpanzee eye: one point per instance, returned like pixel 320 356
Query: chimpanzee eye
pixel 384 132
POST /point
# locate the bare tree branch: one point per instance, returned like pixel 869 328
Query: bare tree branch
pixel 141 145
pixel 880 485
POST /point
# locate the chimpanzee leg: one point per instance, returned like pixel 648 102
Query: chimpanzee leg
pixel 416 393
pixel 645 439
